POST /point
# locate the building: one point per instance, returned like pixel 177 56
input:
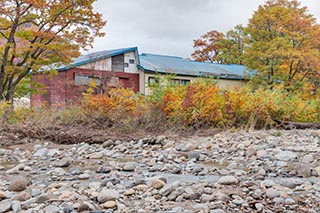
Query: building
pixel 126 68
pixel 111 68
pixel 184 71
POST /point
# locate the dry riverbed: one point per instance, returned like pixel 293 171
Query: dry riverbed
pixel 258 171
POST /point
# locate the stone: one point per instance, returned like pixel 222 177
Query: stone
pixel 41 152
pixel 267 183
pixel 168 188
pixel 22 196
pixel 157 184
pixel 56 172
pixel 2 195
pixel 303 170
pixel 217 211
pixel 52 209
pixel 64 162
pixel 129 192
pixel 289 201
pixel 259 206
pixel 160 139
pixel 308 158
pixel 19 184
pixel 5 206
pixel 97 155
pixel 14 170
pixel 262 154
pixel 272 193
pixel 278 200
pixel 286 156
pixel 251 152
pixel 16 206
pixel 317 170
pixel 227 180
pixel 42 198
pixel 193 155
pixel 108 195
pixel 109 204
pixel 129 166
pixel 206 198
pixel 108 143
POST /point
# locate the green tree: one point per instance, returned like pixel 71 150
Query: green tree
pixel 283 43
pixel 38 33
pixel 232 47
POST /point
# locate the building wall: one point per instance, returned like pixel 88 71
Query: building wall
pixel 132 67
pixel 104 64
pixel 62 90
pixel 221 83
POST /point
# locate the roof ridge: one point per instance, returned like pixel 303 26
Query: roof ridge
pixel 168 56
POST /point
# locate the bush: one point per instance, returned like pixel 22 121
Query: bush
pixel 200 104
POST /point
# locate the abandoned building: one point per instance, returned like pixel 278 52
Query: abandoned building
pixel 126 68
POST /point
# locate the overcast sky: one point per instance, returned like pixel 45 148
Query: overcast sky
pixel 169 27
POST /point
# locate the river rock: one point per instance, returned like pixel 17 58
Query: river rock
pixel 41 152
pixel 286 156
pixel 5 206
pixel 109 204
pixel 129 166
pixel 157 184
pixel 108 195
pixel 108 143
pixel 227 180
pixel 16 206
pixel 272 193
pixel 193 155
pixel 52 209
pixel 19 184
pixel 64 162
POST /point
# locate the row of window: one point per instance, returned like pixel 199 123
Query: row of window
pixel 153 80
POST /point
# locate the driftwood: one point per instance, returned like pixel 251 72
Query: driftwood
pixel 298 125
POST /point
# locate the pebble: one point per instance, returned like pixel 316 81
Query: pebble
pixel 227 180
pixel 109 205
pixel 19 184
pixel 239 171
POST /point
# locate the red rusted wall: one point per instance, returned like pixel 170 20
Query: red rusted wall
pixel 61 89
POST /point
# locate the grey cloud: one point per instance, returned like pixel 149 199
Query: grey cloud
pixel 169 26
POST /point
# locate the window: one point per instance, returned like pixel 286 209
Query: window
pixel 126 65
pixel 175 81
pixel 184 81
pixel 85 79
pixel 131 61
pixel 152 81
pixel 180 81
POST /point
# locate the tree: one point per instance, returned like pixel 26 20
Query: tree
pixel 284 43
pixel 232 47
pixel 207 47
pixel 39 33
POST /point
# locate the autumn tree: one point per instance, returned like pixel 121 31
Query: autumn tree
pixel 284 43
pixel 232 47
pixel 42 33
pixel 207 47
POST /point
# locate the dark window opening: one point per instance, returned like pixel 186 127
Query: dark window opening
pixel 175 81
pixel 118 63
pixel 152 81
pixel 131 61
pixel 184 81
pixel 85 79
pixel 126 65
